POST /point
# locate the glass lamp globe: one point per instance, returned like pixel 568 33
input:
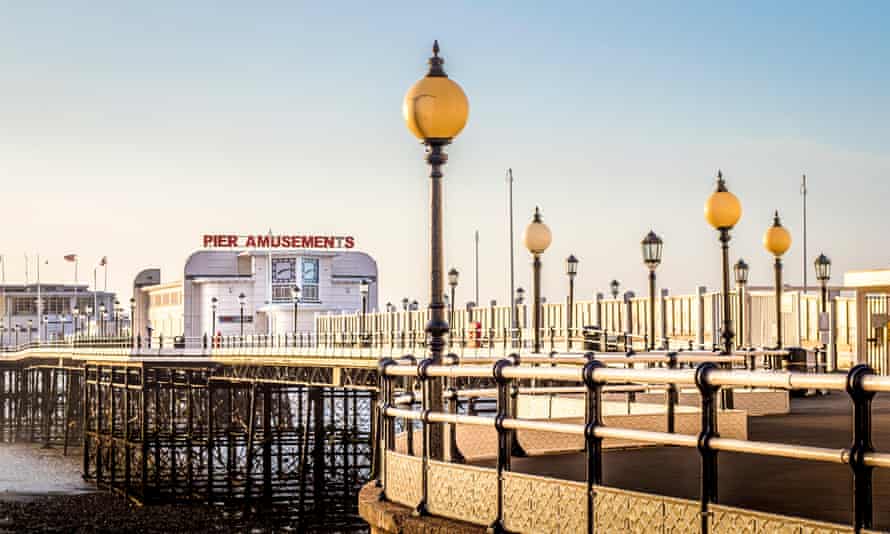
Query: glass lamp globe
pixel 537 236
pixel 435 107
pixel 777 240
pixel 722 209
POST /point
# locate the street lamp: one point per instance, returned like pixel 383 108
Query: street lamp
pixel 75 311
pixel 132 316
pixel 651 245
pixel 242 299
pixel 571 271
pixel 102 319
pixel 741 280
pixel 537 237
pixel 30 327
pixel 17 328
pixel 613 287
pixel 45 327
pixel 364 288
pixel 722 211
pixel 435 110
pixel 777 240
pixel 453 276
pixel 89 311
pixel 405 304
pixel 823 275
pixel 295 297
pixel 214 303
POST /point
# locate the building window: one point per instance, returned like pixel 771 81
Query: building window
pixel 310 277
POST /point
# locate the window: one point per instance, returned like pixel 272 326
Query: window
pixel 310 276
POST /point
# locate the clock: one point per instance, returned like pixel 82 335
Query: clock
pixel 284 270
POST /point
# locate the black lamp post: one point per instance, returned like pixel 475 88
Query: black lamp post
pixel 75 311
pixel 364 288
pixel 242 299
pixel 295 297
pixel 537 238
pixel 722 211
pixel 117 317
pixel 87 319
pixel 777 240
pixel 435 110
pixel 132 318
pixel 30 327
pixel 453 276
pixel 45 327
pixel 741 280
pixel 651 245
pixel 823 275
pixel 214 303
pixel 614 285
pixel 17 328
pixel 571 271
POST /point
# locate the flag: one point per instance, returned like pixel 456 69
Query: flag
pixel 104 261
pixel 71 257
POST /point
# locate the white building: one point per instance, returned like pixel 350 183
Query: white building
pixel 49 311
pixel 329 282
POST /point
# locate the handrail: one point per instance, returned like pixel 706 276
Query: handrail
pixel 860 383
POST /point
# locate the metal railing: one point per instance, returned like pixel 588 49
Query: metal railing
pixel 859 383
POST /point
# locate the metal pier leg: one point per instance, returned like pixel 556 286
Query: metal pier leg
pixel 210 431
pixel 267 444
pixel 251 430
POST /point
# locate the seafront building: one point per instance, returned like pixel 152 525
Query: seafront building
pixel 50 311
pixel 225 290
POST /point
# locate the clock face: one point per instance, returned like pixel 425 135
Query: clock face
pixel 284 270
pixel 310 271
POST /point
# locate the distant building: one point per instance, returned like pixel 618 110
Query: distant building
pixel 53 311
pixel 329 282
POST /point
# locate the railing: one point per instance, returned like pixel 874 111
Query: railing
pixel 418 482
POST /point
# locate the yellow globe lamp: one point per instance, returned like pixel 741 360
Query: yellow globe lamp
pixel 722 209
pixel 777 239
pixel 435 107
pixel 537 236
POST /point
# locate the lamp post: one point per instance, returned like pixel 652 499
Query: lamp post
pixel 435 110
pixel 132 318
pixel 102 319
pixel 214 303
pixel 117 317
pixel 777 240
pixel 17 328
pixel 537 237
pixel 30 327
pixel 453 276
pixel 45 327
pixel 364 288
pixel 295 297
pixel 722 211
pixel 242 298
pixel 651 246
pixel 571 272
pixel 614 285
pixel 741 280
pixel 823 275
pixel 75 311
pixel 87 319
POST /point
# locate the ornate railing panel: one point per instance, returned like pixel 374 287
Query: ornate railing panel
pixel 404 477
pixel 539 504
pixel 463 492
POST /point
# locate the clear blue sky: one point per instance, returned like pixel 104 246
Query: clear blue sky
pixel 129 130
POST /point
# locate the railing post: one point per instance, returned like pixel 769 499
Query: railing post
pixel 862 474
pixel 593 417
pixel 453 406
pixel 381 439
pixel 708 493
pixel 671 394
pixel 421 509
pixel 513 411
pixel 504 435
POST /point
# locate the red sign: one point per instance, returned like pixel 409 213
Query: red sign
pixel 277 241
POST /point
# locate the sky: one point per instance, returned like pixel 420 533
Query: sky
pixel 129 129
